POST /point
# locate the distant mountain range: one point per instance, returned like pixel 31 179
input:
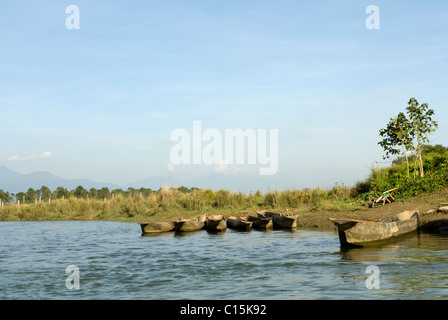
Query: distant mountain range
pixel 15 182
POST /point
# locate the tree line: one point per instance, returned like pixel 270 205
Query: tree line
pixel 406 135
pixel 44 194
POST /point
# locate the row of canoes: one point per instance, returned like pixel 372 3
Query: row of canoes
pixel 184 225
pixel 263 221
pixel 351 232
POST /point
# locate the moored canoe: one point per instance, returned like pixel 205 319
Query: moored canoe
pixel 280 220
pixel 156 226
pixel 239 223
pixel 216 222
pixel 185 225
pixel 354 232
pixel 261 223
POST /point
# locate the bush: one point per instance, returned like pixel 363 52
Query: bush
pixel 435 178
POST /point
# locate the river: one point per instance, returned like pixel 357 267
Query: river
pixel 113 260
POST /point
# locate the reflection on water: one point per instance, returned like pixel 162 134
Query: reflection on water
pixel 117 262
pixel 411 268
pixel 419 248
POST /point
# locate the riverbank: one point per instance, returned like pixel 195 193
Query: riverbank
pixel 312 214
pixel 422 204
pixel 426 204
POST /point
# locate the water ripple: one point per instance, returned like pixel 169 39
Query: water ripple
pixel 116 262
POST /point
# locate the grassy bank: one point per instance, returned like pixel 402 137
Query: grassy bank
pixel 409 183
pixel 168 203
pixel 312 205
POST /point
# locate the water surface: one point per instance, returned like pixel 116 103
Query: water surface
pixel 116 262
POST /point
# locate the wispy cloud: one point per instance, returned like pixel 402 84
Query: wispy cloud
pixel 170 167
pixel 16 158
pixel 224 168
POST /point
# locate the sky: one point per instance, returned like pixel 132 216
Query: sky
pixel 101 102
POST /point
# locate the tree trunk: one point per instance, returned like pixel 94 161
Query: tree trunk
pixel 421 164
pixel 419 155
pixel 407 160
pixel 415 164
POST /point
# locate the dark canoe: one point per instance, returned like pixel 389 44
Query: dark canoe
pixel 156 226
pixel 439 226
pixel 215 223
pixel 185 225
pixel 239 224
pixel 363 233
pixel 260 223
pixel 280 220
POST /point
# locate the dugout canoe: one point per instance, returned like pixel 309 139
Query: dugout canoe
pixel 238 223
pixel 280 220
pixel 363 233
pixel 439 226
pixel 156 226
pixel 185 225
pixel 261 223
pixel 215 222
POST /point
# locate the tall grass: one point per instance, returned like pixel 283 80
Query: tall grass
pixel 167 203
pixel 171 202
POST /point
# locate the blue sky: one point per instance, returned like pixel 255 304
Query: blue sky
pixel 100 102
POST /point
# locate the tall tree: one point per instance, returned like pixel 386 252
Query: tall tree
pixel 61 192
pixel 410 133
pixel 104 193
pixel 420 117
pixel 45 192
pixel 398 133
pixel 80 192
pixel 20 196
pixel 5 196
pixel 30 195
pixel 93 193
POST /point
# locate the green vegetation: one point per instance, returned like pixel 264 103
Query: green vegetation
pixel 403 136
pixel 409 134
pixel 166 203
pixel 435 165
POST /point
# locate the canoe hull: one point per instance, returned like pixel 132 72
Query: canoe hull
pixel 157 226
pixel 239 224
pixel 216 223
pixel 363 233
pixel 261 223
pixel 281 221
pixel 188 225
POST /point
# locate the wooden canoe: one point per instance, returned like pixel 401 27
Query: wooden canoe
pixel 156 226
pixel 215 223
pixel 280 220
pixel 185 225
pixel 439 226
pixel 363 233
pixel 260 223
pixel 239 224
